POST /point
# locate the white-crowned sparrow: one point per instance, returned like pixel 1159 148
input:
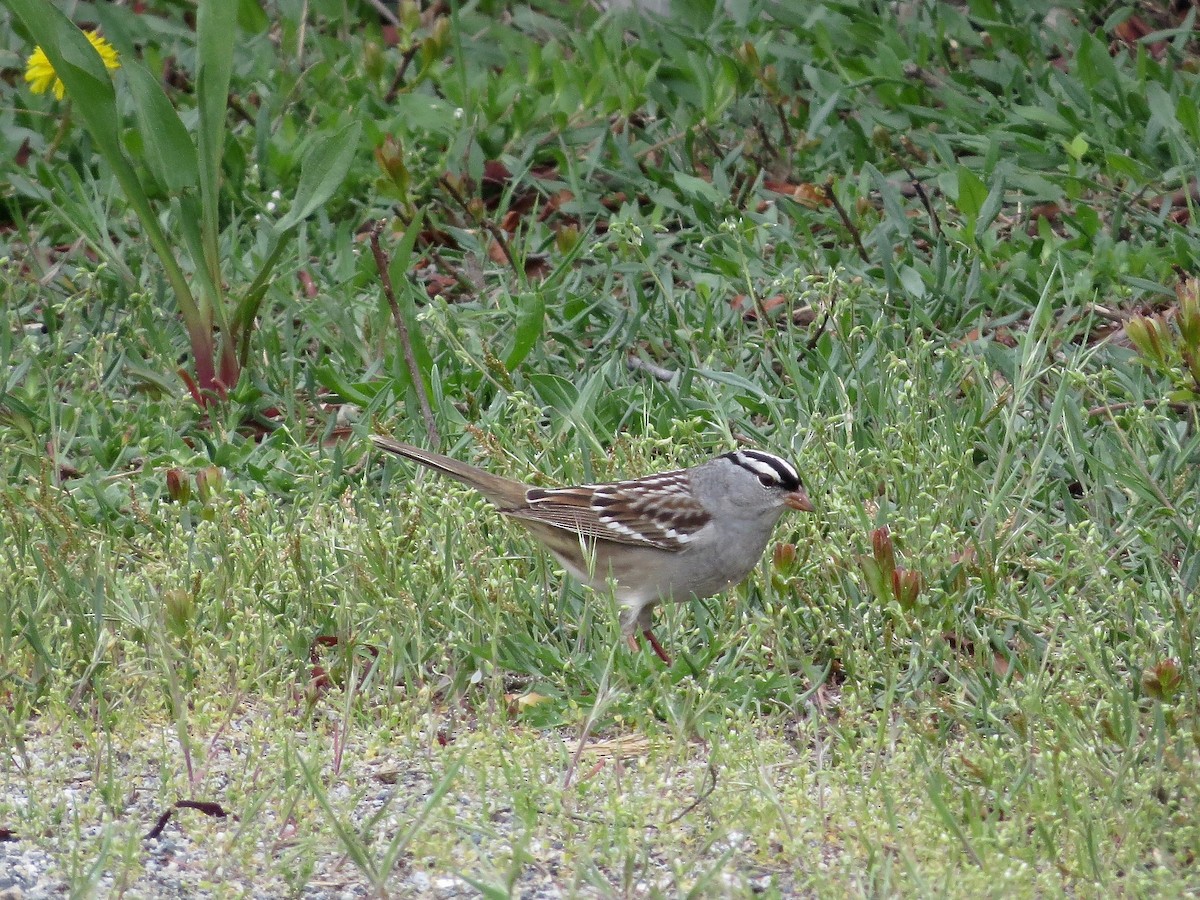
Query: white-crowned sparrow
pixel 687 533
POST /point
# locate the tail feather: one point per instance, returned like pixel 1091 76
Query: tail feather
pixel 504 492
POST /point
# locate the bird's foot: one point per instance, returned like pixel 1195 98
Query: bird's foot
pixel 632 641
pixel 658 648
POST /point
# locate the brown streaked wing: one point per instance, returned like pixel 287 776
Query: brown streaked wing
pixel 657 511
pixel 570 509
pixel 659 508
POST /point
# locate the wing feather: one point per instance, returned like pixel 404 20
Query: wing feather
pixel 657 511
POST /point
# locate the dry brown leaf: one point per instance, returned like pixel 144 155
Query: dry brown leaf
pixel 749 312
pixel 804 193
pixel 622 747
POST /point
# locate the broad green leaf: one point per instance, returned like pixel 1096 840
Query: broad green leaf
pixel 166 384
pixel 1038 115
pixel 251 16
pixel 321 172
pixel 1162 111
pixel 913 283
pixel 1094 64
pixel 247 309
pixel 29 189
pixel 215 34
pixel 735 380
pixel 531 317
pixel 188 221
pixel 421 113
pixel 398 266
pixel 972 192
pixel 169 152
pixel 1088 220
pixel 816 121
pixel 1120 164
pixel 215 31
pixel 1077 147
pixel 893 203
pixel 1036 187
pixel 361 393
pixel 1188 116
pixel 698 188
pixel 553 390
pixel 992 203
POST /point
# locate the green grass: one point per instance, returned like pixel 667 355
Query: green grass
pixel 1027 727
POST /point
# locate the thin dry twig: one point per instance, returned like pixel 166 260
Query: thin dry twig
pixel 494 230
pixel 385 13
pixel 937 223
pixel 1110 408
pixel 444 265
pixel 405 62
pixel 579 748
pixel 765 137
pixel 783 124
pixel 637 364
pixel 701 797
pixel 208 807
pixel 660 144
pixel 816 335
pixel 850 226
pixel 410 359
pixel 1109 315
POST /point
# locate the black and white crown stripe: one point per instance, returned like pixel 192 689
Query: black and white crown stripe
pixel 767 466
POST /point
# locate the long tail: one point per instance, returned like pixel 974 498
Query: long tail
pixel 504 492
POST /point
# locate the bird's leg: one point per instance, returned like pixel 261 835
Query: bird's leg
pixel 658 648
pixel 640 618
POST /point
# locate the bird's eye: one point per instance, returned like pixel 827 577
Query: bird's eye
pixel 766 480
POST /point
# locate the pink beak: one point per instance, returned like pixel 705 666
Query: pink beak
pixel 799 500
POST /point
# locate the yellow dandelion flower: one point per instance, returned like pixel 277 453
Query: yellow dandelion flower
pixel 41 75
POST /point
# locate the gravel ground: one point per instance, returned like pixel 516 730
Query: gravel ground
pixel 280 842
